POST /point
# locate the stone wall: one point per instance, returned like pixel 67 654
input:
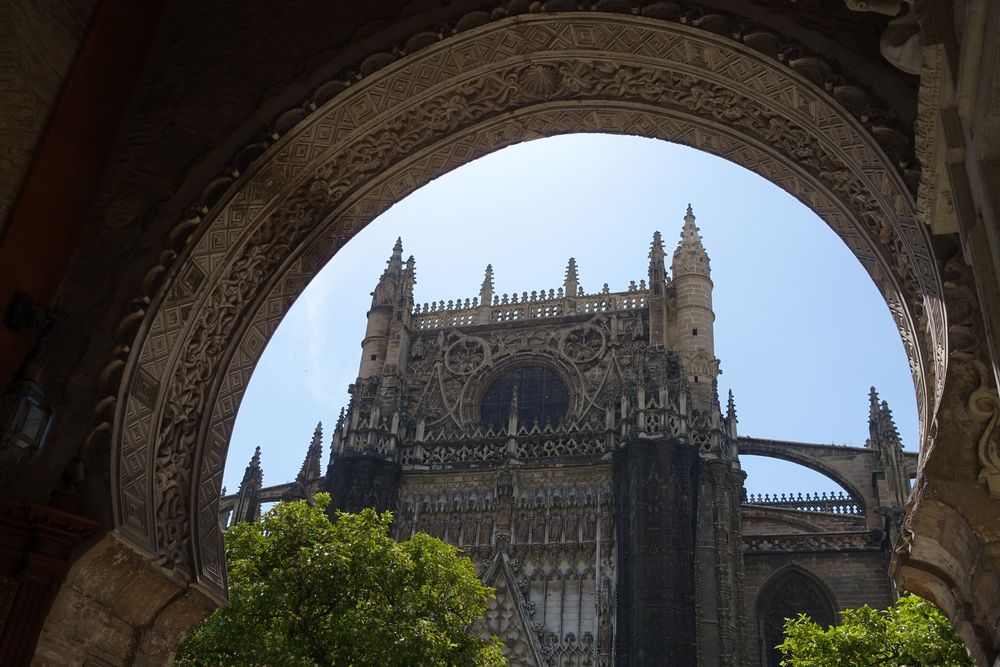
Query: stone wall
pixel 850 578
pixel 38 41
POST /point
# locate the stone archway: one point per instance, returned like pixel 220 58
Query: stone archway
pixel 411 120
pixel 360 143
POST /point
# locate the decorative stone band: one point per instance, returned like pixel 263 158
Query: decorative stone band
pixel 816 542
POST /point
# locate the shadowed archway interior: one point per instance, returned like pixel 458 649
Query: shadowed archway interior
pixel 372 142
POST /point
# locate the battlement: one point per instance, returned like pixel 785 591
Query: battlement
pixel 526 306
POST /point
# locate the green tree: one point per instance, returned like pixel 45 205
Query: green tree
pixel 912 632
pixel 305 591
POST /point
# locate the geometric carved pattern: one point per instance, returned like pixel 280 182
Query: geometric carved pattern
pixel 400 127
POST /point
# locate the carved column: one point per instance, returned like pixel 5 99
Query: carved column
pixel 656 500
pixel 719 566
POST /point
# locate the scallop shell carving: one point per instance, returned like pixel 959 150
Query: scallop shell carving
pixel 540 80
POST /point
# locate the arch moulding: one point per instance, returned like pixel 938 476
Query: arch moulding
pixel 241 264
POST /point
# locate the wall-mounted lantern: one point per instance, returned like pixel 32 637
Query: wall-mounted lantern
pixel 25 413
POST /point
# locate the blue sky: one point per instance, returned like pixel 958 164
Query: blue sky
pixel 800 329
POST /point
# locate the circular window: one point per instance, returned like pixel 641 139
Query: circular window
pixel 541 397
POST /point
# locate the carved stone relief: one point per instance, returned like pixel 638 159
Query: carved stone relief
pixel 548 549
pixel 392 131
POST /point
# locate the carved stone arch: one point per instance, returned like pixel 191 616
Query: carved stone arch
pixel 399 127
pixel 790 591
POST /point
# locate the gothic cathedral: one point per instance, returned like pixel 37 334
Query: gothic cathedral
pixel 573 445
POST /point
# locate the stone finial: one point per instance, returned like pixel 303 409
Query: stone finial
pixel 572 282
pixel 486 291
pixel 873 404
pixel 690 255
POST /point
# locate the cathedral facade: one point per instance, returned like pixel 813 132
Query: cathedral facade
pixel 574 446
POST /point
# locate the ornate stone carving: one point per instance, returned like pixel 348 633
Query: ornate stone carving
pixel 743 106
pixel 466 356
pixel 582 344
pixel 840 541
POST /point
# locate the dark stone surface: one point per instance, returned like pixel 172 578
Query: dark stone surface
pixel 656 496
pixel 359 481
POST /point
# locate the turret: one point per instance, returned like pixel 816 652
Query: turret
pixel 692 284
pixel 392 305
pixel 248 497
pixel 692 318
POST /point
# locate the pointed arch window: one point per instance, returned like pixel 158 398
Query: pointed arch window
pixel 788 596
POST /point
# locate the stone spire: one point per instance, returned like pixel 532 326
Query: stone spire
pixel 657 268
pixel 486 291
pixel 892 484
pixel 248 497
pixel 572 282
pixel 881 424
pixel 690 255
pixel 731 419
pixel 395 262
pixel 390 283
pixel 310 470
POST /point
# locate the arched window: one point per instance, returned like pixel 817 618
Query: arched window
pixel 541 397
pixel 786 597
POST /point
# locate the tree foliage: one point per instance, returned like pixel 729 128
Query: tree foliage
pixel 305 591
pixel 913 632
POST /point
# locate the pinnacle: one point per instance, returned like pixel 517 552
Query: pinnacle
pixel 253 473
pixel 656 245
pixel 690 255
pixel 731 406
pixel 873 403
pixel 396 259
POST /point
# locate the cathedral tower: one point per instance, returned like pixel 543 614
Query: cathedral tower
pixel 573 445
